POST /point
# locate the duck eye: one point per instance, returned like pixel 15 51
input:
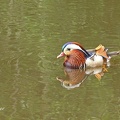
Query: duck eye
pixel 68 49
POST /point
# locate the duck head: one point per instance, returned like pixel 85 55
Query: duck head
pixel 75 55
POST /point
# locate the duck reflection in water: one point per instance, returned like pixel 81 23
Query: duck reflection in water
pixel 75 77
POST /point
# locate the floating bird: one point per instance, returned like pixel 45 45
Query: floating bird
pixel 76 57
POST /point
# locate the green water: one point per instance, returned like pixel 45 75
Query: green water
pixel 31 36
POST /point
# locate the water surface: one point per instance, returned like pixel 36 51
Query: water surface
pixel 31 36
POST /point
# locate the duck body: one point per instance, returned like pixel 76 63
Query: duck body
pixel 77 57
pixel 95 62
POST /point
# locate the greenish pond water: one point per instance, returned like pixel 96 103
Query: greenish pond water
pixel 31 36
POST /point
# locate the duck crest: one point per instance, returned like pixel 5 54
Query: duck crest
pixel 83 50
pixel 78 45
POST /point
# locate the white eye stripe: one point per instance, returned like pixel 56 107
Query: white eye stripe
pixel 73 46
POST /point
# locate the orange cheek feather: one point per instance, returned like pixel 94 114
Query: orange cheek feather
pixel 75 59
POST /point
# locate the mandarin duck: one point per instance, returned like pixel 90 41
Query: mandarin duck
pixel 77 57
